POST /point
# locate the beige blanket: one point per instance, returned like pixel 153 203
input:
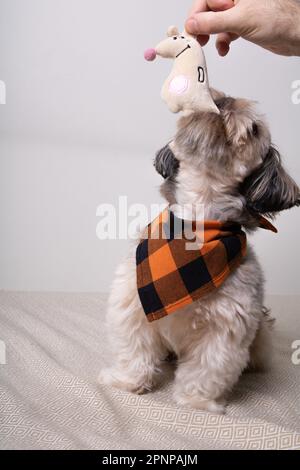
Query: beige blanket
pixel 49 398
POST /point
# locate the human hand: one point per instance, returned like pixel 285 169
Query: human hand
pixel 271 24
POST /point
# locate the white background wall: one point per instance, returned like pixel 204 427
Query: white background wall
pixel 83 120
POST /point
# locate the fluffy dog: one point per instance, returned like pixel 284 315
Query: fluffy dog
pixel 227 163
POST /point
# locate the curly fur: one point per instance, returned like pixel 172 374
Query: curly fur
pixel 225 162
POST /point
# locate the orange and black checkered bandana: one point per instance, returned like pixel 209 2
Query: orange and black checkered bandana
pixel 173 270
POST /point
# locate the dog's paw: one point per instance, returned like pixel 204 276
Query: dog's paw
pixel 199 403
pixel 117 379
pixel 106 377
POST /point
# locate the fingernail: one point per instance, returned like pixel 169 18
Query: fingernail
pixel 191 25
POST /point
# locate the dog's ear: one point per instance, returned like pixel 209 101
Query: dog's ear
pixel 238 115
pixel 166 164
pixel 217 95
pixel 269 189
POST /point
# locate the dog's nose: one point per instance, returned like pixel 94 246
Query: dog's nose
pixel 150 55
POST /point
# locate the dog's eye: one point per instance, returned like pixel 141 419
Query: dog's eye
pixel 175 37
pixel 182 37
pixel 255 130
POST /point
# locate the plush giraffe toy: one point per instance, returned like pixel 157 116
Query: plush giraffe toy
pixel 187 87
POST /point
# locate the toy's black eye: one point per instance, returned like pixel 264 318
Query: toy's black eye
pixel 175 37
pixel 255 129
pixel 182 37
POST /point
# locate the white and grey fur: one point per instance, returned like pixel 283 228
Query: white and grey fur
pixel 227 163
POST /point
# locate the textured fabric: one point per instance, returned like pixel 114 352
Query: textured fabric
pixel 49 397
pixel 173 273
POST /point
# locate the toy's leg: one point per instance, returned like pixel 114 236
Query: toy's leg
pixel 136 344
pixel 174 107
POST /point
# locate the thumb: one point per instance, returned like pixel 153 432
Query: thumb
pixel 212 22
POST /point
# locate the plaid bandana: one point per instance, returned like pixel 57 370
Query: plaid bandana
pixel 173 273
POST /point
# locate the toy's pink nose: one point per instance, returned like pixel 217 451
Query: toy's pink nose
pixel 150 54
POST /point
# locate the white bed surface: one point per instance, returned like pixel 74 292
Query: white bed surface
pixel 55 347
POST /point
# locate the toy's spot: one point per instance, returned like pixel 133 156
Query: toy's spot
pixel 179 85
pixel 150 55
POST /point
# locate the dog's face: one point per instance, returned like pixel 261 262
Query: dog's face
pixel 234 151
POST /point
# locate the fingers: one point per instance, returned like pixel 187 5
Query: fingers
pixel 203 39
pixel 211 22
pixel 198 6
pixel 223 42
pixel 205 6
pixel 213 5
pixel 220 5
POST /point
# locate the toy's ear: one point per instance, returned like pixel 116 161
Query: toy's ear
pixel 172 31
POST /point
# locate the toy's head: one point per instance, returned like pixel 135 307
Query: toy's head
pixel 172 47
